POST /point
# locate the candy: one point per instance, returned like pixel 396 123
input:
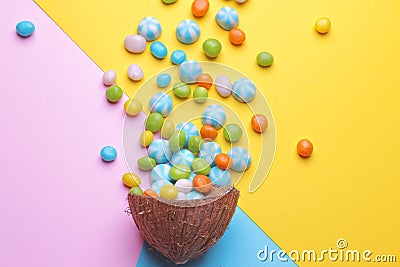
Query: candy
pixel 25 28
pixel 169 192
pixel 194 144
pixel 160 172
pixel 182 157
pixel 146 163
pixel 240 159
pixel 177 141
pixel 184 185
pixel 188 31
pixel 212 47
pixel 161 103
pixel 114 93
pixel 202 183
pixel 159 150
pixel 108 153
pixel 227 18
pixel 241 1
pixel 149 28
pixel 237 36
pixel 132 107
pixel 201 166
pixel 156 186
pixel 243 90
pixel 200 8
pixel 135 72
pixel 154 122
pixel 232 132
pixel 150 193
pixel 168 1
pixel 189 70
pixel 265 59
pixel 208 132
pixel 181 90
pixel 179 171
pixel 305 148
pixel 158 50
pixel 131 179
pixel 146 138
pixel 322 25
pixel 223 86
pixel 259 123
pixel 181 196
pixel 163 80
pixel 189 129
pixel 208 151
pixel 223 161
pixel 205 80
pixel 109 77
pixel 220 177
pixel 194 195
pixel 178 56
pixel 135 43
pixel 192 175
pixel 167 130
pixel 200 95
pixel 136 191
pixel 214 115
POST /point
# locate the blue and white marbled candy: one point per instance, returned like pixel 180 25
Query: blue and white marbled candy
pixel 189 70
pixel 243 90
pixel 192 175
pixel 149 28
pixel 156 186
pixel 160 172
pixel 220 177
pixel 159 150
pixel 214 115
pixel 194 195
pixel 208 151
pixel 188 31
pixel 227 18
pixel 241 159
pixel 183 156
pixel 189 129
pixel 161 103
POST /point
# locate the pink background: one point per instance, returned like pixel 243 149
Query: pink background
pixel 60 204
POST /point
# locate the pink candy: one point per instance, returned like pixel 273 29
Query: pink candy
pixel 135 72
pixel 135 43
pixel 109 77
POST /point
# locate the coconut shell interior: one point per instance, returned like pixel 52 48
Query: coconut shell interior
pixel 184 229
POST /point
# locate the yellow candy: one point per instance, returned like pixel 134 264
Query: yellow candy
pixel 146 138
pixel 322 25
pixel 167 130
pixel 132 107
pixel 131 180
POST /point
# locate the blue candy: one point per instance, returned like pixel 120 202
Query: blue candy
pixel 183 156
pixel 160 172
pixel 240 157
pixel 158 50
pixel 188 31
pixel 178 56
pixel 243 90
pixel 208 151
pixel 214 115
pixel 227 18
pixel 25 28
pixel 189 129
pixel 189 70
pixel 156 186
pixel 161 103
pixel 159 150
pixel 163 80
pixel 194 195
pixel 108 153
pixel 149 28
pixel 192 175
pixel 220 177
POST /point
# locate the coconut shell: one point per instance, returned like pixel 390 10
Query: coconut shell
pixel 184 229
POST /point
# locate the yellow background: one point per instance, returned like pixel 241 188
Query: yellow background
pixel 340 90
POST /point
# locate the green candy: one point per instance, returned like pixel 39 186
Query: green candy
pixel 146 163
pixel 136 191
pixel 167 129
pixel 179 171
pixel 194 143
pixel 168 1
pixel 154 122
pixel 232 132
pixel 181 90
pixel 169 191
pixel 212 47
pixel 114 93
pixel 200 94
pixel 201 166
pixel 177 141
pixel 265 59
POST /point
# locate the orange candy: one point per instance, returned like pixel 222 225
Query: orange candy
pixel 200 8
pixel 150 193
pixel 223 161
pixel 205 80
pixel 202 183
pixel 208 132
pixel 237 36
pixel 259 123
pixel 305 148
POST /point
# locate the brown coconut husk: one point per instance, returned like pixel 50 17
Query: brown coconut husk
pixel 184 229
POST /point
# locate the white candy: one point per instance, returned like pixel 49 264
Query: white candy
pixel 109 77
pixel 241 1
pixel 135 43
pixel 135 72
pixel 184 185
pixel 180 196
